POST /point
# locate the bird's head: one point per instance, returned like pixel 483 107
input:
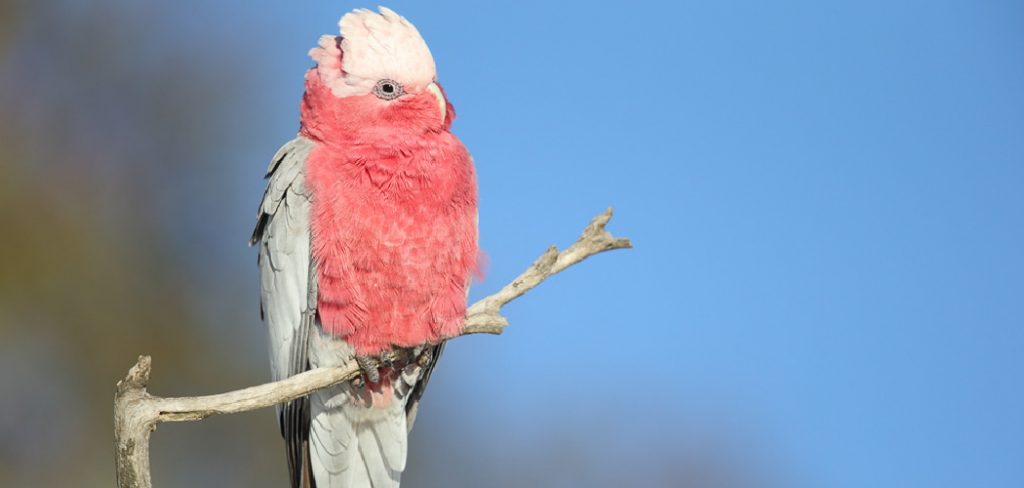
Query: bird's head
pixel 375 81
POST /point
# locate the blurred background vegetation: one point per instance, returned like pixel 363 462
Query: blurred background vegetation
pixel 116 242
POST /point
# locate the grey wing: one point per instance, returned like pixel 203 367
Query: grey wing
pixel 420 386
pixel 287 290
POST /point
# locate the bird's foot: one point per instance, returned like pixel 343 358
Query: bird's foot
pixel 370 367
pixel 393 359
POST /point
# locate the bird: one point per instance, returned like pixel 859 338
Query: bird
pixel 368 238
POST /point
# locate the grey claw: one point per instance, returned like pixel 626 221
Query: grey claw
pixel 370 367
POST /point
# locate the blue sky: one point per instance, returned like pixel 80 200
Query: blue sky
pixel 825 199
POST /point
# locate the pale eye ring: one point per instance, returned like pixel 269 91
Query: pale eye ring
pixel 388 89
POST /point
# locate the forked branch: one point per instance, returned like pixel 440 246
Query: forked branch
pixel 137 413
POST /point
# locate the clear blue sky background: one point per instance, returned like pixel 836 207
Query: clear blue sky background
pixel 826 200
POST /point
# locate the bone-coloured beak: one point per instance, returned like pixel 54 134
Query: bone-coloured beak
pixel 433 88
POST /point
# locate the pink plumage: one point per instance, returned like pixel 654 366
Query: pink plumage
pixel 368 238
pixel 394 215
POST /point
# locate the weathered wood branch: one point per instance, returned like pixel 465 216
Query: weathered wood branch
pixel 137 413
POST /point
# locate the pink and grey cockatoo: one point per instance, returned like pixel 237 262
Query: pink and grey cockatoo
pixel 367 239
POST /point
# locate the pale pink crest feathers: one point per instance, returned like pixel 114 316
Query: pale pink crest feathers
pixel 376 46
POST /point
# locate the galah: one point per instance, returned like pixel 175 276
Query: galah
pixel 367 238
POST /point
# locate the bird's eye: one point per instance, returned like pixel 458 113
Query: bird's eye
pixel 388 90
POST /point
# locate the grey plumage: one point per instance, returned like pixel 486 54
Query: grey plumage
pixel 351 444
pixel 342 436
pixel 282 232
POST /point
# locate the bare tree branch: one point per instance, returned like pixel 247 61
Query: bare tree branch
pixel 136 412
pixel 484 316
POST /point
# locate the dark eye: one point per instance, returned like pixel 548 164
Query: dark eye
pixel 388 90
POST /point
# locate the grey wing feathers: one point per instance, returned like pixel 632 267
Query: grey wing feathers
pixel 288 294
pixel 351 444
pixel 355 448
pixel 421 386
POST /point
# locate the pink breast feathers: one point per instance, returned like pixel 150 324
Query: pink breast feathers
pixel 395 241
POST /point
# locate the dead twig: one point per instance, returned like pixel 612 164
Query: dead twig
pixel 137 413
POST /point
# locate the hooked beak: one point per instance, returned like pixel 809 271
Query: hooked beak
pixel 436 90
